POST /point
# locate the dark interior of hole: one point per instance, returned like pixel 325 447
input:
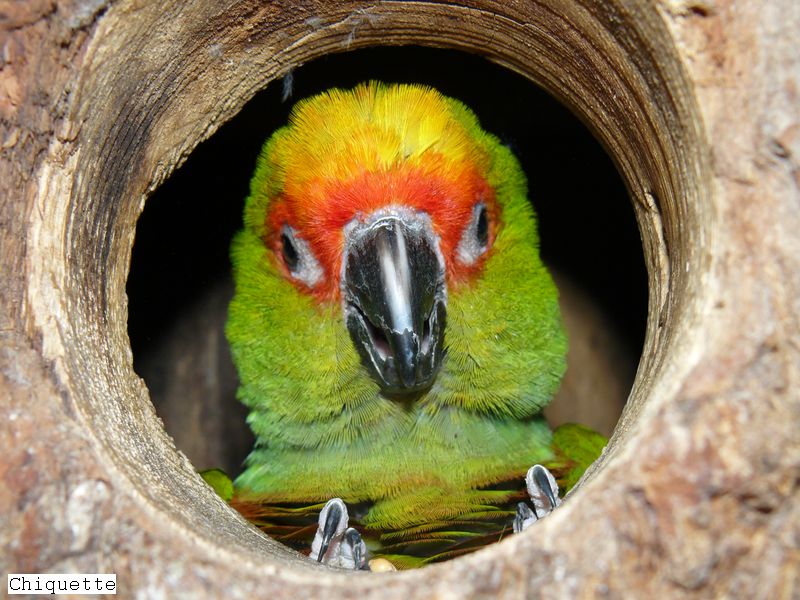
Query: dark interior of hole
pixel 180 280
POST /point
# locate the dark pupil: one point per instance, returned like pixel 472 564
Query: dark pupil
pixel 482 229
pixel 290 256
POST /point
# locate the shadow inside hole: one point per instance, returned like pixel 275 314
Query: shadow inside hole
pixel 180 280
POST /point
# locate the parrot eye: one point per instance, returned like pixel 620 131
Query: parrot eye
pixel 299 258
pixel 475 239
pixel 290 256
pixel 482 228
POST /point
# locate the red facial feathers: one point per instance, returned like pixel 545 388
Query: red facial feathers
pixel 320 210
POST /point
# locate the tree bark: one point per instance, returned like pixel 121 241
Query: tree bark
pixel 697 494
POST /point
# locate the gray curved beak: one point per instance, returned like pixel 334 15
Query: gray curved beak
pixel 395 301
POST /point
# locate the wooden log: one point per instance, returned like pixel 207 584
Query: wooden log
pixel 696 496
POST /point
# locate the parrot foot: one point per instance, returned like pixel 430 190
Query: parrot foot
pixel 543 492
pixel 335 544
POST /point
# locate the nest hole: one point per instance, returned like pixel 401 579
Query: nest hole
pixel 143 103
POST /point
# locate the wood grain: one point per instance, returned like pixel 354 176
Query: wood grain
pixel 697 103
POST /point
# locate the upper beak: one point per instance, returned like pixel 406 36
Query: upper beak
pixel 395 299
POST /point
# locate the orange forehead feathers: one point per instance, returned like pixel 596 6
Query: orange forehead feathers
pixel 346 154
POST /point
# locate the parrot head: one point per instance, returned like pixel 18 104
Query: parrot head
pixel 391 308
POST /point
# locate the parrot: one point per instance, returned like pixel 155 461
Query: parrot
pixel 396 334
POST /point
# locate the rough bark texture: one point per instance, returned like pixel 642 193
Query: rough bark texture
pixel 696 496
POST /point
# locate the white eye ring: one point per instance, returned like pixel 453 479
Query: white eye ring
pixel 474 241
pixel 299 259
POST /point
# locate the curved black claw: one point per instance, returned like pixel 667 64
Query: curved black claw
pixel 332 524
pixel 524 518
pixel 353 553
pixel 335 544
pixel 543 491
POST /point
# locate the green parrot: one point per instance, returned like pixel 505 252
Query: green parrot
pixel 396 334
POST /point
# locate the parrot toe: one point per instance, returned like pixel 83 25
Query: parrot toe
pixel 524 518
pixel 333 520
pixel 335 544
pixel 353 553
pixel 543 492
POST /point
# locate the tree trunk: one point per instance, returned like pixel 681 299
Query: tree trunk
pixel 696 495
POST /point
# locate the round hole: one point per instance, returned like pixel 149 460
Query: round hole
pixel 144 102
